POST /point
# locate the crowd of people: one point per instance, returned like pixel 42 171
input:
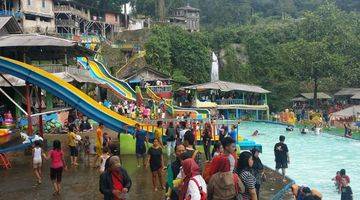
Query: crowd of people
pixel 219 175
pixel 222 175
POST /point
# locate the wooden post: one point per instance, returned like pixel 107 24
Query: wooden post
pixel 28 108
pixel 41 127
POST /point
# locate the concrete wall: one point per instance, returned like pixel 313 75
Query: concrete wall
pixel 37 7
pixel 37 26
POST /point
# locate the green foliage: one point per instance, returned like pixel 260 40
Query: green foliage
pixel 215 13
pixel 175 51
pixel 319 50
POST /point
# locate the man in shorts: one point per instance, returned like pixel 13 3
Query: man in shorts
pixel 72 145
pixel 282 159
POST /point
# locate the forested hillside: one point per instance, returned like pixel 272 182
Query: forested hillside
pixel 286 56
pixel 216 13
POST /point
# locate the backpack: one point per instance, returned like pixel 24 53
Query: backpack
pixel 203 195
pixel 238 190
pixel 171 134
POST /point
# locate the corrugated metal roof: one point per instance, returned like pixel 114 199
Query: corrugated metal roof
pixel 347 92
pixel 320 95
pixel 18 40
pixel 348 112
pixel 356 96
pixel 10 24
pixel 227 86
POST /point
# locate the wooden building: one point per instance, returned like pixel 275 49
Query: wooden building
pixel 186 17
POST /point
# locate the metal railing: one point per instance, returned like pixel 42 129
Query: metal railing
pixel 58 68
pixel 230 101
pixel 161 89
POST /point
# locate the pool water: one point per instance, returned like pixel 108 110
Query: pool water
pixel 314 159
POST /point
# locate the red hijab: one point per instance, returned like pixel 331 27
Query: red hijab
pixel 191 169
pixel 224 164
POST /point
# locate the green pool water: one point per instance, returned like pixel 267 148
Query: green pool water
pixel 314 158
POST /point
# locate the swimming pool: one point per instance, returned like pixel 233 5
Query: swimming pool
pixel 314 159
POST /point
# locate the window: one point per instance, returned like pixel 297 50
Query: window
pixel 30 17
pixel 29 2
pixel 43 3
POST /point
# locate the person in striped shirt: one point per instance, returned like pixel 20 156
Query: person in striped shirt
pixel 245 164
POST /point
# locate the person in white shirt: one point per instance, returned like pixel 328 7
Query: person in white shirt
pixel 194 186
pixel 37 160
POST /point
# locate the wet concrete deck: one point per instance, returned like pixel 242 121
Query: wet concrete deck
pixel 82 182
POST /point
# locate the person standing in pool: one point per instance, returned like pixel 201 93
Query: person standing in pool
pixel 282 159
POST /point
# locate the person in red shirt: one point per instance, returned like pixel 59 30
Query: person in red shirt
pixel 115 182
pixel 343 176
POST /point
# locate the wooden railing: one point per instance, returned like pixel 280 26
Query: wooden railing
pixel 65 22
pixel 69 9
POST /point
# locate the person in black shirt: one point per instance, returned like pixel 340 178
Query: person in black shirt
pixel 282 159
pixel 206 137
pixel 346 192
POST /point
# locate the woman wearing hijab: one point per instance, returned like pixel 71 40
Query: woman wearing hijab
pixel 194 186
pixel 257 171
pixel 224 184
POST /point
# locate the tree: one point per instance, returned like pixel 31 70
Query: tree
pixel 311 61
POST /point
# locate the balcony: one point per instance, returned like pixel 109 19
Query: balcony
pixel 69 9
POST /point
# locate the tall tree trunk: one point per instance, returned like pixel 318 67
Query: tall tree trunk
pixel 316 84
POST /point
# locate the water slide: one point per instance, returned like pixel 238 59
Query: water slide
pixel 68 93
pixel 98 71
pixel 204 113
pixel 169 108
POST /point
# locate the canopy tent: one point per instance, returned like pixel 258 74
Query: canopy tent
pixel 348 112
pixel 226 86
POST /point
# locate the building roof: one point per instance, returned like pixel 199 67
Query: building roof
pixel 160 75
pixel 22 40
pixel 227 86
pixel 356 96
pixel 347 112
pixel 320 95
pixel 188 7
pixel 10 24
pixel 299 99
pixel 347 92
pixel 36 40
